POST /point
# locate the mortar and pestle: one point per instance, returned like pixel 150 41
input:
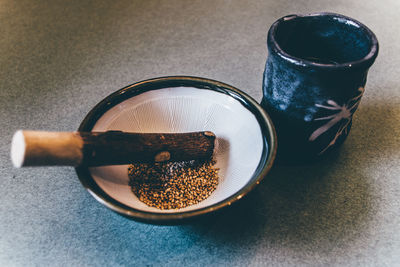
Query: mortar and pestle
pixel 175 118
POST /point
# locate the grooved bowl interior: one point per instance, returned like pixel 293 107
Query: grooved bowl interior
pixel 239 153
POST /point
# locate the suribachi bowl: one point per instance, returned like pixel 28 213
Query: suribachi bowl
pixel 245 146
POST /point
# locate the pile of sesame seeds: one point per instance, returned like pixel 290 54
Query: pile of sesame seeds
pixel 173 185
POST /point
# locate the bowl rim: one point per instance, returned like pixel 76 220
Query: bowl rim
pixel 264 166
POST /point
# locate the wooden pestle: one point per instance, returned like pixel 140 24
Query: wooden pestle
pixel 40 148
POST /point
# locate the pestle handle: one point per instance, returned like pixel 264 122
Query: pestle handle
pixel 41 148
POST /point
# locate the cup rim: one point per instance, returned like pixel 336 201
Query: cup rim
pixel 365 61
pixel 264 165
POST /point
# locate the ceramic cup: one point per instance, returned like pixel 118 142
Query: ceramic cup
pixel 314 79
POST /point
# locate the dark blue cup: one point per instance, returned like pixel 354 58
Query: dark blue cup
pixel 314 79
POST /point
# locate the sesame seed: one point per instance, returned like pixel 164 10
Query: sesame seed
pixel 173 185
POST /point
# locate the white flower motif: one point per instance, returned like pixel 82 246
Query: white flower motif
pixel 344 114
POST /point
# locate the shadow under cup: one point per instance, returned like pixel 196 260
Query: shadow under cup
pixel 314 79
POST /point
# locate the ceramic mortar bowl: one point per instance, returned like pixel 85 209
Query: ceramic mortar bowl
pixel 244 152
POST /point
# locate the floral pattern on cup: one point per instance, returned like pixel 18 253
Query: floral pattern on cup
pixel 343 115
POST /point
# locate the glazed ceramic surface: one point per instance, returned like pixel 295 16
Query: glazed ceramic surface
pixel 244 149
pixel 186 109
pixel 314 79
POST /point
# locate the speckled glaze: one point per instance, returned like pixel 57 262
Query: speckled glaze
pixel 314 79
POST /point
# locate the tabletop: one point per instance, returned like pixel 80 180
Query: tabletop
pixel 59 58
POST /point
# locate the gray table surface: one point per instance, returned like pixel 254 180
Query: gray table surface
pixel 59 58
